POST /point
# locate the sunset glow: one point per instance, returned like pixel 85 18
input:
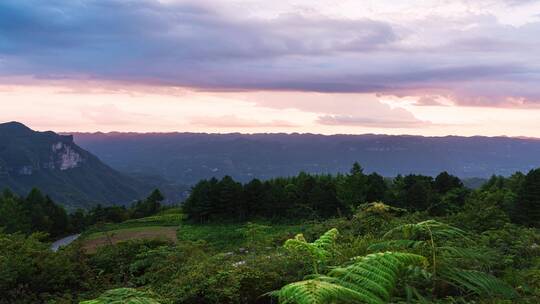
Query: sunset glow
pixel 393 67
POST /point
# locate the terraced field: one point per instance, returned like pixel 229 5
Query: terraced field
pixel 170 225
pixel 162 226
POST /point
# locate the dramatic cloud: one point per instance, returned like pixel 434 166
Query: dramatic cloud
pixel 458 51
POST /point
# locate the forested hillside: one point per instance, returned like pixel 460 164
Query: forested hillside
pixel 61 169
pixel 351 238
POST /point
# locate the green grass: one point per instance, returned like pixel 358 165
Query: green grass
pixel 97 235
pixel 233 236
pixel 175 210
pixel 161 220
pixel 220 236
pixel 165 220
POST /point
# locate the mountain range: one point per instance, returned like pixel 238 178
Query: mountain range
pixel 188 157
pixel 123 167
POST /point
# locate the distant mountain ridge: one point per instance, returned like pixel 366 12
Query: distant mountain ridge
pixel 57 166
pixel 189 157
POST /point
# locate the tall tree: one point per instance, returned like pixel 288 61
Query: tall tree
pixel 230 197
pixel 445 182
pixel 253 198
pixel 35 202
pixel 418 191
pixel 150 206
pixel 14 217
pixel 528 206
pixel 376 189
pixel 352 188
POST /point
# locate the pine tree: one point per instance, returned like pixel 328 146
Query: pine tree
pixel 352 188
pixel 376 189
pixel 528 206
pixel 445 182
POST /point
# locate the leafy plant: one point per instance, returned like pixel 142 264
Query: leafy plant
pixel 372 217
pixel 123 296
pixel 370 279
pixel 318 252
pixel 451 263
pixel 254 234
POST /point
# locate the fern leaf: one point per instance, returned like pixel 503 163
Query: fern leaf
pixel 320 292
pixel 474 254
pixel 370 279
pixel 396 244
pixel 123 296
pixel 298 245
pixel 437 229
pixel 327 240
pixel 478 282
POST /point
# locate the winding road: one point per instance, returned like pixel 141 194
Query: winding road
pixel 64 242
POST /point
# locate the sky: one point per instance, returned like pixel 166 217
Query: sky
pixel 461 67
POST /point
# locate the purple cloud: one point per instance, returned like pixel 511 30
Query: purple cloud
pixel 472 61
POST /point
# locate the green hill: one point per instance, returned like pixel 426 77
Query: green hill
pixel 63 170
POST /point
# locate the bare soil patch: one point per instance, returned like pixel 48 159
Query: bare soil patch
pixel 117 236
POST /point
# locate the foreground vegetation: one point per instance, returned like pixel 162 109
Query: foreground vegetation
pixel 428 241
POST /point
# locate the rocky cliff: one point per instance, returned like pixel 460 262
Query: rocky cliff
pixel 60 168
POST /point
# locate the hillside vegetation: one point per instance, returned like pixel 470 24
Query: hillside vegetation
pixel 66 172
pixel 331 239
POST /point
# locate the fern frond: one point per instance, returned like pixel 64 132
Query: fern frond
pixel 123 296
pixel 370 279
pixel 319 251
pixel 477 282
pixel 472 254
pixel 298 245
pixel 300 237
pixel 396 244
pixel 327 240
pixel 411 293
pixel 320 292
pixel 445 246
pixel 437 229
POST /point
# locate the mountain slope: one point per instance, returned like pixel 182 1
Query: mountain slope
pixel 188 157
pixel 60 168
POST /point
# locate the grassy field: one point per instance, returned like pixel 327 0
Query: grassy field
pixel 165 220
pixel 232 236
pixel 171 225
pixel 161 226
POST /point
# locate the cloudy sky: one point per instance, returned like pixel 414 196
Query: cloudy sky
pixel 465 67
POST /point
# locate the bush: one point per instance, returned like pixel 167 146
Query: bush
pixel 31 273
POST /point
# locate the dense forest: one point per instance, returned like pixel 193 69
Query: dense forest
pixel 308 196
pixel 346 238
pixel 39 213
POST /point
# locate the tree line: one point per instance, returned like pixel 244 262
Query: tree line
pixel 323 196
pixel 38 212
pixel 319 196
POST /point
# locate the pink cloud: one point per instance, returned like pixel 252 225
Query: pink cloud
pixel 109 114
pixel 232 121
pixel 371 122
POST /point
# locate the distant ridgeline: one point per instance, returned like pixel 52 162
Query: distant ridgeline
pixel 60 168
pixel 189 157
